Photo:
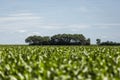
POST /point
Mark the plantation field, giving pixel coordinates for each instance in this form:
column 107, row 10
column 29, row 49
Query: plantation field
column 59, row 63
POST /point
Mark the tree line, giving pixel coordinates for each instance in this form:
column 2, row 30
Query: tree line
column 58, row 39
column 111, row 43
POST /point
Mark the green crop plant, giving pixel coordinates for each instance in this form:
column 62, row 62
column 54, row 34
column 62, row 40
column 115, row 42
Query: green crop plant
column 59, row 63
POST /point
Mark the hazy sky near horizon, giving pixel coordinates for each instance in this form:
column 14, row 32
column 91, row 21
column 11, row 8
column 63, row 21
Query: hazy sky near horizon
column 93, row 18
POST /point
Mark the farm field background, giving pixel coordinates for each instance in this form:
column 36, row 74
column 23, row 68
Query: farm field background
column 59, row 63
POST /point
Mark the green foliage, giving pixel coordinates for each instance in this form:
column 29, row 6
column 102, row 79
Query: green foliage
column 59, row 39
column 59, row 63
column 98, row 41
column 110, row 43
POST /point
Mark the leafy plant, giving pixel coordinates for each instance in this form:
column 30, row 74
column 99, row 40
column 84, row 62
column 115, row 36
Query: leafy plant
column 59, row 63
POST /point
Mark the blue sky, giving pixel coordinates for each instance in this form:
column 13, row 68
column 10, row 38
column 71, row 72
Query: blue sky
column 93, row 18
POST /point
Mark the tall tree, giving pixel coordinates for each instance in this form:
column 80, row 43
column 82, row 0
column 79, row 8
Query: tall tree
column 98, row 41
column 88, row 41
column 59, row 39
column 34, row 40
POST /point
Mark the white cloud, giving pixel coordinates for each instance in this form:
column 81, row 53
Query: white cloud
column 20, row 17
column 62, row 27
column 79, row 26
column 19, row 22
column 108, row 24
column 35, row 33
column 22, row 14
column 30, row 21
column 6, row 19
column 22, row 31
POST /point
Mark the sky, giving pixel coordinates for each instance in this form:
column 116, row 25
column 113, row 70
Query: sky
column 92, row 18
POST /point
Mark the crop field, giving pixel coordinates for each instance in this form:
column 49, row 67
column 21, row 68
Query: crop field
column 59, row 63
